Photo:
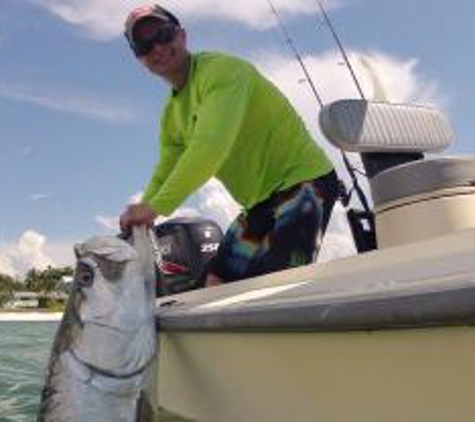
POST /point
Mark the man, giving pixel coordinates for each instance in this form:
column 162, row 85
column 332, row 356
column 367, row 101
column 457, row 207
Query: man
column 224, row 119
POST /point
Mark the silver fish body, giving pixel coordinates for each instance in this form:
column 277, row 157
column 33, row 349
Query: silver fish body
column 105, row 344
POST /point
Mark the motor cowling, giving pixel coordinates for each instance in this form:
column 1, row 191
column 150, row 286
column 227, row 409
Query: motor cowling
column 186, row 245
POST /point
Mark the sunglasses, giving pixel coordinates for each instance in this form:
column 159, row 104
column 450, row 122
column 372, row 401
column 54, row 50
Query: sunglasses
column 163, row 35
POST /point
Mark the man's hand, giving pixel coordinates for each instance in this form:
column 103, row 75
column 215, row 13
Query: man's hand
column 137, row 215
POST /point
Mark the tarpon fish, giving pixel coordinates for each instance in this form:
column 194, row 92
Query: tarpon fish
column 106, row 341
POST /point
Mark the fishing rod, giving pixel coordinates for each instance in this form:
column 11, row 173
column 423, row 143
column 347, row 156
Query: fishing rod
column 354, row 217
column 291, row 44
column 365, row 238
column 338, row 42
column 341, row 48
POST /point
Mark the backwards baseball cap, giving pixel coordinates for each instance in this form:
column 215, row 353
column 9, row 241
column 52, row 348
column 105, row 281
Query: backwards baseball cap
column 153, row 11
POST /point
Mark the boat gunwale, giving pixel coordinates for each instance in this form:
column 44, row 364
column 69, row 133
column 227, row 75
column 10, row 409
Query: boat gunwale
column 454, row 307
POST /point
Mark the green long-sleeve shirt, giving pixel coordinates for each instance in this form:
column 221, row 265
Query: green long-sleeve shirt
column 230, row 122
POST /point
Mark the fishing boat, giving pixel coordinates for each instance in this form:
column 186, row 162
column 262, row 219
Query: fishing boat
column 385, row 335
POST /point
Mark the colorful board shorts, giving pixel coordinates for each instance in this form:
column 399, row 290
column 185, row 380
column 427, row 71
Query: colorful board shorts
column 281, row 232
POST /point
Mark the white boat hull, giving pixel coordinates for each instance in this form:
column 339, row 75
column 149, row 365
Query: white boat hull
column 391, row 376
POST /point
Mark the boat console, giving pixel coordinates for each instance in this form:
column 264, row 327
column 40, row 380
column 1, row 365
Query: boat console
column 414, row 199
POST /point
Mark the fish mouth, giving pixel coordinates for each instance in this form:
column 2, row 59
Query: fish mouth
column 108, row 373
column 117, row 365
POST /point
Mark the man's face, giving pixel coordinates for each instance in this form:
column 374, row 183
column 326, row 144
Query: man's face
column 165, row 44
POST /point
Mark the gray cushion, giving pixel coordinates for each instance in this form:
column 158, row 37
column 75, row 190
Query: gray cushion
column 420, row 177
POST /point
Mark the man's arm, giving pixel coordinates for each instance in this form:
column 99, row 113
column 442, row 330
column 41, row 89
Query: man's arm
column 218, row 124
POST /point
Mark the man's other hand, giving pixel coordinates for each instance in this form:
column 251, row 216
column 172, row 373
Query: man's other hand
column 137, row 215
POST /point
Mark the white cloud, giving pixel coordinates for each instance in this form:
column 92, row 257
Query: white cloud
column 69, row 102
column 62, row 252
column 29, row 252
column 40, row 197
column 6, row 265
column 103, row 19
column 211, row 201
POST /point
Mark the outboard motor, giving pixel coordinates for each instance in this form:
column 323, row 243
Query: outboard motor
column 186, row 245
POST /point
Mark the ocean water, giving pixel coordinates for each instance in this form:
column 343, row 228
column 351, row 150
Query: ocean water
column 24, row 350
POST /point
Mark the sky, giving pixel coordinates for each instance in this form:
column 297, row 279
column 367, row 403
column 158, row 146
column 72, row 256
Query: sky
column 79, row 115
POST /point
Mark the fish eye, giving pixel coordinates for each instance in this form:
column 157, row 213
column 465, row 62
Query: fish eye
column 84, row 274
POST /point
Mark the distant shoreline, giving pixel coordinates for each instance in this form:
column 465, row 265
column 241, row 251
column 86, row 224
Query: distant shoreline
column 29, row 316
